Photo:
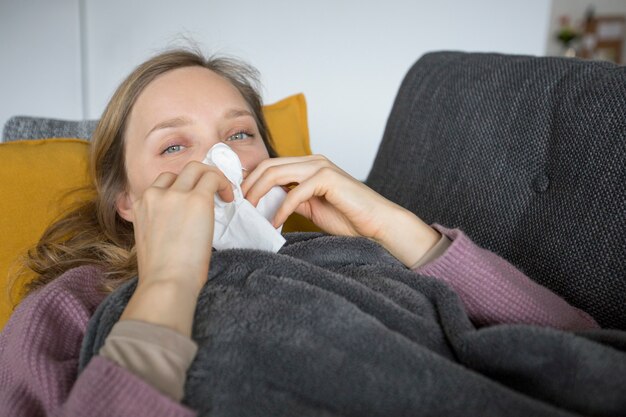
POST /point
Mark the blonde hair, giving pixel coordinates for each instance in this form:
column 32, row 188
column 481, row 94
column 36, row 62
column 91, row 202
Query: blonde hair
column 93, row 232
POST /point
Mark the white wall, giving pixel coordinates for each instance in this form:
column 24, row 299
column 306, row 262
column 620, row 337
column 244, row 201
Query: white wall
column 39, row 59
column 576, row 10
column 347, row 56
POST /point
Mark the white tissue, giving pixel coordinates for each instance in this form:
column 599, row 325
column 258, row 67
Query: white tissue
column 239, row 224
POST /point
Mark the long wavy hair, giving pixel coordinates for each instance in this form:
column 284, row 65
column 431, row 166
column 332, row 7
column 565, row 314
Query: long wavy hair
column 92, row 232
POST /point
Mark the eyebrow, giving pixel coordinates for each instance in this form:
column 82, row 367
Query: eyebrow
column 234, row 113
column 175, row 122
column 184, row 121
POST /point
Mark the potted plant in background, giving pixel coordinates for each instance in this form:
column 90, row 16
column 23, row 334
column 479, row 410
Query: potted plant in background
column 567, row 35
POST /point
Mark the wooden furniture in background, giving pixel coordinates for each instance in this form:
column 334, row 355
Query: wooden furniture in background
column 603, row 38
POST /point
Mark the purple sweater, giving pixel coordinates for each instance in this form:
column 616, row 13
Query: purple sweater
column 40, row 345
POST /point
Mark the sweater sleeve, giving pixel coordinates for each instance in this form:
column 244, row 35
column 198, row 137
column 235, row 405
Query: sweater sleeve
column 39, row 350
column 493, row 291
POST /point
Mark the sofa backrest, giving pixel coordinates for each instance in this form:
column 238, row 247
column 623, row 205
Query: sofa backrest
column 527, row 155
column 28, row 127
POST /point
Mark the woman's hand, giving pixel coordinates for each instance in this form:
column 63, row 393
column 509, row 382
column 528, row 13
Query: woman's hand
column 340, row 205
column 173, row 225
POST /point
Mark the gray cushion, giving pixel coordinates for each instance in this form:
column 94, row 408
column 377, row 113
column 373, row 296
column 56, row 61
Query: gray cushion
column 528, row 156
column 25, row 127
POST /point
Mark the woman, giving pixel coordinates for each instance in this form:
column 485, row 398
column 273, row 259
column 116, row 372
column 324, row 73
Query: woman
column 152, row 217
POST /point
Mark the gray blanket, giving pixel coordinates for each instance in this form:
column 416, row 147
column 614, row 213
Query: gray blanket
column 335, row 326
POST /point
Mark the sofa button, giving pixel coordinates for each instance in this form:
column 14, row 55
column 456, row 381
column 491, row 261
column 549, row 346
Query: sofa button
column 541, row 183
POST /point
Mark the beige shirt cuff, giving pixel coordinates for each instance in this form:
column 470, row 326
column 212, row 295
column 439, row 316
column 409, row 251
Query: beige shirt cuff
column 159, row 355
column 435, row 252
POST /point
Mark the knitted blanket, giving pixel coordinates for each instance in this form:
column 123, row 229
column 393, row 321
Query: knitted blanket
column 335, row 326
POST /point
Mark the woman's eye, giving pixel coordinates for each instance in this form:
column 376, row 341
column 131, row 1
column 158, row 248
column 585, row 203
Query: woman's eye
column 239, row 136
column 172, row 149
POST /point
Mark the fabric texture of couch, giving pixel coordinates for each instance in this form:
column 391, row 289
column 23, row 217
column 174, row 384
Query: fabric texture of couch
column 528, row 156
column 28, row 127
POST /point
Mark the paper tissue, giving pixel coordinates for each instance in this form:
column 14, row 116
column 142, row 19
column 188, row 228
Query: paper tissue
column 239, row 224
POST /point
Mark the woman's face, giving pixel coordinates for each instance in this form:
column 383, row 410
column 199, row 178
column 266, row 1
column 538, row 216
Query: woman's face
column 176, row 119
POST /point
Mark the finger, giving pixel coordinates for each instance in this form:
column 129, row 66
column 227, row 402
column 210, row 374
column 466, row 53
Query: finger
column 266, row 164
column 190, row 175
column 164, row 180
column 296, row 200
column 213, row 182
column 284, row 174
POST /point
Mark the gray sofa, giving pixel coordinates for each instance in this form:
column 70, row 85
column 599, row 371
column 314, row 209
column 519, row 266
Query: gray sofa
column 527, row 155
column 28, row 127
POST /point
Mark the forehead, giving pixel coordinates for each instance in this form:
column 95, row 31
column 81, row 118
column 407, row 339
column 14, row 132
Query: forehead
column 187, row 89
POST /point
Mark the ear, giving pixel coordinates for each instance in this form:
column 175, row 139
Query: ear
column 124, row 206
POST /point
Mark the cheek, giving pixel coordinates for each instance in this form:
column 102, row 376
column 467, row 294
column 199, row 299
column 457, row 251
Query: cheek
column 250, row 159
column 140, row 177
column 136, row 173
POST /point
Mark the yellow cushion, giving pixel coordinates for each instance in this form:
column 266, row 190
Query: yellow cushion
column 287, row 121
column 35, row 174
